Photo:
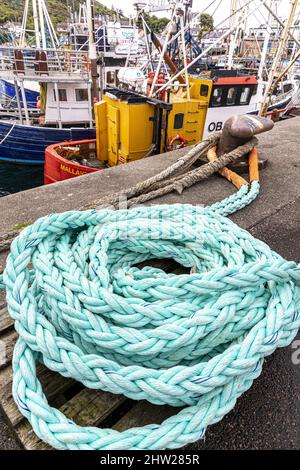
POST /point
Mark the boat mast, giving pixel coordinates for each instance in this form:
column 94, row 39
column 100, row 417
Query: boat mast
column 43, row 33
column 52, row 32
column 164, row 49
column 146, row 32
column 90, row 8
column 24, row 23
column 291, row 35
column 233, row 37
column 208, row 49
column 42, row 22
column 36, row 24
column 265, row 45
column 281, row 45
column 185, row 62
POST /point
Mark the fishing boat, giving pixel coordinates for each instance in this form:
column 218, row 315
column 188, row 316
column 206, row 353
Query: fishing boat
column 26, row 144
column 67, row 86
column 150, row 115
column 64, row 111
column 67, row 160
column 69, row 81
column 234, row 92
column 132, row 125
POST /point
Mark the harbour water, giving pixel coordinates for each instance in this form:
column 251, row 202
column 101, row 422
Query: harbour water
column 15, row 178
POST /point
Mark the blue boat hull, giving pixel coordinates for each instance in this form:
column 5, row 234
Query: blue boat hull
column 8, row 95
column 26, row 144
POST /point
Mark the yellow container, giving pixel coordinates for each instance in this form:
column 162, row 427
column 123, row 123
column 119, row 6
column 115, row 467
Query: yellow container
column 130, row 126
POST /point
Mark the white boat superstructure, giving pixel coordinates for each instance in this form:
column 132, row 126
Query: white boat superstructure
column 232, row 95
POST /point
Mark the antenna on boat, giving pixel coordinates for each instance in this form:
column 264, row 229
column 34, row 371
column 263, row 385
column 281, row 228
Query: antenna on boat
column 42, row 21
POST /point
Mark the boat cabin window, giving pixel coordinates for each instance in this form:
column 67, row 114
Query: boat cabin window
column 217, row 97
column 245, row 95
column 226, row 95
column 231, row 96
column 81, row 94
column 62, row 94
column 204, row 89
column 178, row 121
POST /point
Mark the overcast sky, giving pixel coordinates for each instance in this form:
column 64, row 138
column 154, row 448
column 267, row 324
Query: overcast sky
column 220, row 8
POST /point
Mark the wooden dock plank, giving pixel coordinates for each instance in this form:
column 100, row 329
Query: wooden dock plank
column 53, row 385
column 91, row 407
column 87, row 408
column 29, row 439
column 7, row 343
column 6, row 321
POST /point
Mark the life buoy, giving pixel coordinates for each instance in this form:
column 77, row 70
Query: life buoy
column 171, row 142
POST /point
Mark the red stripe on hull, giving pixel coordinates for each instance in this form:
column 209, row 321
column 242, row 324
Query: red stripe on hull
column 247, row 80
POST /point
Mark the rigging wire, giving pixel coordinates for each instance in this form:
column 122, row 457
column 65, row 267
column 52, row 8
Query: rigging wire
column 217, row 7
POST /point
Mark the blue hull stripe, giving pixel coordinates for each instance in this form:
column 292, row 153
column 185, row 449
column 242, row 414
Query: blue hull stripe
column 22, row 161
column 27, row 144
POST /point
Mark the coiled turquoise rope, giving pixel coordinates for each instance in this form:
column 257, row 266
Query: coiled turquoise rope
column 197, row 340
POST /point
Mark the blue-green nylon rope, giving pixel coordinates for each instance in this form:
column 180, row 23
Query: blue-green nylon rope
column 198, row 340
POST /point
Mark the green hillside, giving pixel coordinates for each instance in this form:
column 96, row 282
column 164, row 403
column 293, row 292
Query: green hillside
column 12, row 10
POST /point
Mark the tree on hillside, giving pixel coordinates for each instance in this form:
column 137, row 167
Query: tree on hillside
column 12, row 10
column 206, row 24
column 156, row 24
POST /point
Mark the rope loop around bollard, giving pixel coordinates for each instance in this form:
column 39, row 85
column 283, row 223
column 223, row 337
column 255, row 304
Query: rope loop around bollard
column 83, row 308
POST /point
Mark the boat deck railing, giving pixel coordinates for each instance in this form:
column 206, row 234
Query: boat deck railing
column 44, row 64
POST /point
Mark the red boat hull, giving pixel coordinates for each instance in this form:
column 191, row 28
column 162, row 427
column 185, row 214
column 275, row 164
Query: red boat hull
column 58, row 168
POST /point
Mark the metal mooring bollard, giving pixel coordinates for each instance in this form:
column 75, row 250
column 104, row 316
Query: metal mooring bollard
column 238, row 130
